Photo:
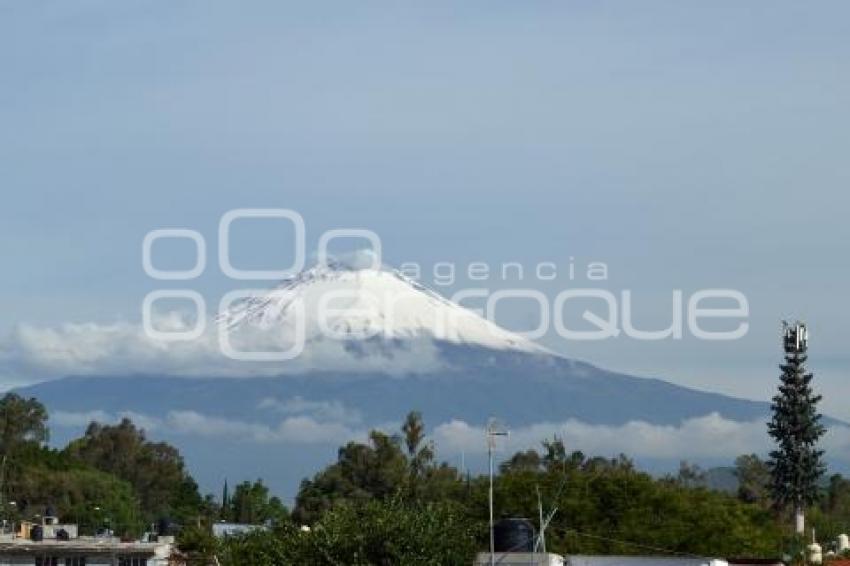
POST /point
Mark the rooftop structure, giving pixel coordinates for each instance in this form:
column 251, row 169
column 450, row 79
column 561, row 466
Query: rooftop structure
column 51, row 543
column 220, row 530
column 84, row 551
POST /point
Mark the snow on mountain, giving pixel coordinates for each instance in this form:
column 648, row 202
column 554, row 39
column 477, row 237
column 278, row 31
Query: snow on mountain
column 352, row 303
column 347, row 318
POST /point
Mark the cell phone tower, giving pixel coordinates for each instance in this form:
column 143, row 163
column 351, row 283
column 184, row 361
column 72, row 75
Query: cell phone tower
column 795, row 337
column 796, row 464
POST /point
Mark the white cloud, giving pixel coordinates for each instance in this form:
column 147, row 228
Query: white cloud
column 709, row 436
column 81, row 419
column 320, row 410
column 30, row 354
column 290, row 430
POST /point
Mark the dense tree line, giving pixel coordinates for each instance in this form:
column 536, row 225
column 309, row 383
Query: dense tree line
column 113, row 478
column 155, row 470
column 382, row 532
column 603, row 506
column 390, row 500
column 361, row 505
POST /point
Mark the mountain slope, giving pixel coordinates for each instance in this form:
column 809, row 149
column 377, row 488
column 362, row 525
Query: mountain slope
column 468, row 370
column 522, row 389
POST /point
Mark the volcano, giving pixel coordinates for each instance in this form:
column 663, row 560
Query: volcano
column 374, row 345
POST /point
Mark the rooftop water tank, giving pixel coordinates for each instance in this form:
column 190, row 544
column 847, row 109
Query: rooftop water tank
column 815, row 554
column 513, row 535
column 37, row 533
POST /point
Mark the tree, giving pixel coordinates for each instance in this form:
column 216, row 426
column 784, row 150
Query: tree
column 796, row 463
column 76, row 492
column 832, row 514
column 367, row 533
column 251, row 504
column 360, row 512
column 155, row 469
column 387, row 466
column 420, row 455
column 92, row 499
column 22, row 422
column 608, row 507
column 690, row 475
column 555, row 453
column 838, row 497
column 197, row 545
column 255, row 547
column 225, row 501
column 361, row 472
column 753, row 477
column 526, row 461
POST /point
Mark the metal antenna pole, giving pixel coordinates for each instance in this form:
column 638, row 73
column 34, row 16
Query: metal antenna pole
column 490, row 499
column 494, row 429
column 542, row 537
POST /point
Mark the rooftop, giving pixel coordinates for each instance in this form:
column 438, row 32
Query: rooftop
column 83, row 545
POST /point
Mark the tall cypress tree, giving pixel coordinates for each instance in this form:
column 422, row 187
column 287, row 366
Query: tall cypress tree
column 225, row 503
column 796, row 463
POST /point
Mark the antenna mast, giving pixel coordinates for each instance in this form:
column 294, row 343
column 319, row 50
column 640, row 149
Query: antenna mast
column 541, row 539
column 494, row 429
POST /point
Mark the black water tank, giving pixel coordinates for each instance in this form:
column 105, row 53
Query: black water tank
column 166, row 527
column 513, row 535
column 37, row 533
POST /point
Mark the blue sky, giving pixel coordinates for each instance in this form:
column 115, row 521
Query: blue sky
column 686, row 145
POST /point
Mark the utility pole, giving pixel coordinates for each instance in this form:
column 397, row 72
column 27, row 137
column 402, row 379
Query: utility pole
column 494, row 429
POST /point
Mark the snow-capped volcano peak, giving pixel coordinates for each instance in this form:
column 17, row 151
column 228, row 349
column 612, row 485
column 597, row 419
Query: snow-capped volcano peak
column 350, row 302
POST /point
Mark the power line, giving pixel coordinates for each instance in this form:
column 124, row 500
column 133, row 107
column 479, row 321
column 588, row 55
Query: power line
column 630, row 543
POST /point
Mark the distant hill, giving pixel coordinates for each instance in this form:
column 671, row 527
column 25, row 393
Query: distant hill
column 474, row 370
column 522, row 388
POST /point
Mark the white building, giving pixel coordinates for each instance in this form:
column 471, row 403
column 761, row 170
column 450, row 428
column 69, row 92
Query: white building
column 51, row 543
column 83, row 552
